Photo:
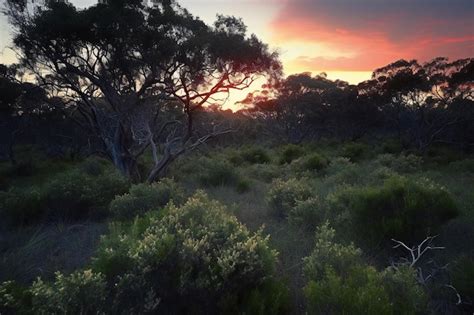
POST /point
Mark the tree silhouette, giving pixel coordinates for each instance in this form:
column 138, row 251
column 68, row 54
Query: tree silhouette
column 119, row 64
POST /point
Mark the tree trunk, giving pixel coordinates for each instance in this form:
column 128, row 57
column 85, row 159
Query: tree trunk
column 159, row 169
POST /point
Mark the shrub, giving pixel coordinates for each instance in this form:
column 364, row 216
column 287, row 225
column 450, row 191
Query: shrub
column 144, row 197
column 22, row 206
column 392, row 146
column 354, row 151
column 94, row 166
column 404, row 163
column 284, row 195
column 14, row 299
column 308, row 213
column 264, row 172
column 194, row 258
column 255, row 155
column 315, row 162
column 402, row 208
column 214, row 172
column 463, row 277
column 312, row 162
column 443, row 155
column 74, row 194
column 339, row 282
column 342, row 171
column 466, row 165
column 289, row 153
column 82, row 292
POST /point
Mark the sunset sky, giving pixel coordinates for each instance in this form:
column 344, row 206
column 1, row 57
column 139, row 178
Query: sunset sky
column 345, row 38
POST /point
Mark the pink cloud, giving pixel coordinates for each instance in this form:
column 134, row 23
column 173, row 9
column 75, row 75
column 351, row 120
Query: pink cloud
column 374, row 32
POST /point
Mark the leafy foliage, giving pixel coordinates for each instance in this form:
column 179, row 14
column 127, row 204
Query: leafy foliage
column 145, row 197
column 73, row 194
column 289, row 153
column 341, row 283
column 284, row 195
column 402, row 208
column 193, row 258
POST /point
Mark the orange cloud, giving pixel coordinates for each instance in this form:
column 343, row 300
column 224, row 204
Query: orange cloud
column 366, row 34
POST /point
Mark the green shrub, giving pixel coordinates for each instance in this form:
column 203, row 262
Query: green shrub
column 192, row 259
column 339, row 282
column 82, row 292
column 94, row 166
column 402, row 208
column 312, row 162
column 404, row 163
column 145, row 197
column 342, row 171
column 14, row 299
column 213, row 172
column 289, row 153
column 315, row 162
column 354, row 151
column 255, row 155
column 284, row 195
column 392, row 146
column 75, row 195
column 462, row 275
column 72, row 194
column 264, row 172
column 466, row 165
column 443, row 155
column 308, row 213
column 22, row 206
column 406, row 295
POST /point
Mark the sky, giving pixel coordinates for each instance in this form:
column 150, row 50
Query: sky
column 347, row 39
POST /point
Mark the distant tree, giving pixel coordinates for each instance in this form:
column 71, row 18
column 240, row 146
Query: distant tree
column 306, row 107
column 19, row 103
column 424, row 101
column 119, row 65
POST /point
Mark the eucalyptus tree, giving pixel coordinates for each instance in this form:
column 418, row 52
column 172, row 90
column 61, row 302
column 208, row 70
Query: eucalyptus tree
column 120, row 64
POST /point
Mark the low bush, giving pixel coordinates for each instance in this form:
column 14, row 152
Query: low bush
column 255, row 155
column 264, row 172
column 443, row 155
column 191, row 259
column 289, row 153
column 339, row 282
column 284, row 195
column 403, row 163
column 402, row 208
column 70, row 195
column 213, row 172
column 354, row 151
column 466, row 165
column 308, row 213
column 462, row 275
column 76, row 195
column 392, row 146
column 82, row 292
column 312, row 162
column 342, row 171
column 145, row 197
column 22, row 206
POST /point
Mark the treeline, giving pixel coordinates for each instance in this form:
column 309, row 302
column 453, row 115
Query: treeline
column 123, row 79
column 420, row 104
